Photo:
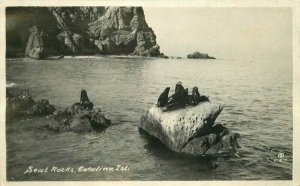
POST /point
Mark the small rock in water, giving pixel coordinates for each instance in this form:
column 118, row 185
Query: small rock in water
column 80, row 117
column 41, row 107
column 18, row 105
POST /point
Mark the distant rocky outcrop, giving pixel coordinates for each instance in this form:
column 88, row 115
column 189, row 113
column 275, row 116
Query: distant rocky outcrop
column 79, row 31
column 198, row 55
column 190, row 130
column 20, row 105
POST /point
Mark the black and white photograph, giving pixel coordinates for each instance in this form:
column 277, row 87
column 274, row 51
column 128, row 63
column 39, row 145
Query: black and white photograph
column 148, row 93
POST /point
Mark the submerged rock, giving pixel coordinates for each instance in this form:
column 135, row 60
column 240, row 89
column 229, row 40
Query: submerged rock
column 18, row 105
column 190, row 130
column 80, row 117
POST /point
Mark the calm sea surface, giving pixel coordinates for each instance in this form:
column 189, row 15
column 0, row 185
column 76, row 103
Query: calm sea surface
column 256, row 95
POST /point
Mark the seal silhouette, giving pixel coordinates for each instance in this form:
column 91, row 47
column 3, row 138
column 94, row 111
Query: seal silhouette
column 84, row 100
column 179, row 95
column 163, row 98
column 196, row 95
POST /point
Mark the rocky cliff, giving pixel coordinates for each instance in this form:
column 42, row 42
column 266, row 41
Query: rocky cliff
column 79, row 31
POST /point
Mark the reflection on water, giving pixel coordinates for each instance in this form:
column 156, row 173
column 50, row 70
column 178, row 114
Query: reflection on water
column 257, row 100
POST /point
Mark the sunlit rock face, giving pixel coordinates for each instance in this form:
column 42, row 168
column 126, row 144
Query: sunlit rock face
column 190, row 130
column 123, row 30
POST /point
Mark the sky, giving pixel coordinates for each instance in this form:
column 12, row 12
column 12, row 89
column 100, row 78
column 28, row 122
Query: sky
column 223, row 32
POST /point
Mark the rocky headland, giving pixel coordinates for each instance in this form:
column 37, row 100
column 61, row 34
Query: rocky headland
column 39, row 32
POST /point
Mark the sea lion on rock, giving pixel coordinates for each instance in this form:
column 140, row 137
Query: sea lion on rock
column 84, row 100
column 178, row 98
column 163, row 98
column 83, row 96
column 181, row 97
column 204, row 98
column 179, row 86
column 197, row 98
column 81, row 116
column 196, row 95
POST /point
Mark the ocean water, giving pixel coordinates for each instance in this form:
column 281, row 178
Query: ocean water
column 256, row 95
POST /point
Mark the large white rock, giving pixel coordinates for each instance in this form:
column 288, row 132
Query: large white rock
column 176, row 128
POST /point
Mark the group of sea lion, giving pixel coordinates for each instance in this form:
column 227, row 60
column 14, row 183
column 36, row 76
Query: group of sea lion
column 180, row 98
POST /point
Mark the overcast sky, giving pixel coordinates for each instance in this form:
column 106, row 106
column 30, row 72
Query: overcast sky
column 223, row 32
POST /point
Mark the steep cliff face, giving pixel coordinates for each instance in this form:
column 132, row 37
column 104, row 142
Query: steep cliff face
column 123, row 30
column 73, row 28
column 82, row 30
